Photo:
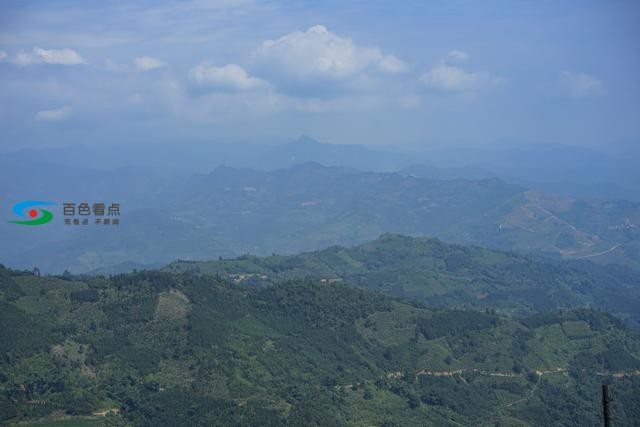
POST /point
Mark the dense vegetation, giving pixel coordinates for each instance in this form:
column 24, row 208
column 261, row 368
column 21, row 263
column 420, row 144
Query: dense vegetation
column 443, row 275
column 156, row 348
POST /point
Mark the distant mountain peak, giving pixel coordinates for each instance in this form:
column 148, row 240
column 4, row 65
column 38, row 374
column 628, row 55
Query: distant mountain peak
column 308, row 165
column 306, row 140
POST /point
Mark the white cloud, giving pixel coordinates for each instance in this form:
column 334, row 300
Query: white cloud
column 580, row 84
column 3, row 55
column 24, row 58
column 230, row 76
column 319, row 53
column 49, row 56
column 457, row 56
column 54, row 115
column 391, row 64
column 455, row 79
column 147, row 63
column 59, row 56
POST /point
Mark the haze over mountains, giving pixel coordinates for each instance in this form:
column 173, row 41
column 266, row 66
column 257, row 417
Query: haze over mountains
column 173, row 213
column 338, row 213
column 338, row 335
column 558, row 169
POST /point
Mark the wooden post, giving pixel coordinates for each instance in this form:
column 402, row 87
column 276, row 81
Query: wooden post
column 606, row 414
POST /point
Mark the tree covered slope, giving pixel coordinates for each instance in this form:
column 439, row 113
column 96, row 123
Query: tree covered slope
column 444, row 275
column 157, row 348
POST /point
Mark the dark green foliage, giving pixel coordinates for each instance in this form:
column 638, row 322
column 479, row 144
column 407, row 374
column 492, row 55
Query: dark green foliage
column 207, row 327
column 184, row 349
column 312, row 411
column 455, row 322
column 457, row 261
column 618, row 358
column 467, row 399
column 556, row 405
column 8, row 287
column 85, row 295
column 179, row 407
column 445, row 275
column 21, row 333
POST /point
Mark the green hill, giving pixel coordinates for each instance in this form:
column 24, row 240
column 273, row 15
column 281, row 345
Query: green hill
column 158, row 348
column 444, row 275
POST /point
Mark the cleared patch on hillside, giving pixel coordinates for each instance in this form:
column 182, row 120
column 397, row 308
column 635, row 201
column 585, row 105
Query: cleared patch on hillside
column 172, row 305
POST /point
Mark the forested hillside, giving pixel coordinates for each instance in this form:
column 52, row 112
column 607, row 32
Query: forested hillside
column 443, row 275
column 157, row 348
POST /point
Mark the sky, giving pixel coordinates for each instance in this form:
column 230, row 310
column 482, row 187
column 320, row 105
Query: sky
column 364, row 72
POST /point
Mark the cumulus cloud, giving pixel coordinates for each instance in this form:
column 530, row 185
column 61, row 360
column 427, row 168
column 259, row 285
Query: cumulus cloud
column 319, row 53
column 227, row 77
column 447, row 77
column 391, row 64
column 54, row 115
column 3, row 55
column 147, row 63
column 581, row 84
column 49, row 56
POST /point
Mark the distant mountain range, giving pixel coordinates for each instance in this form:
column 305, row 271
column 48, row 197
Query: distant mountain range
column 230, row 212
column 555, row 169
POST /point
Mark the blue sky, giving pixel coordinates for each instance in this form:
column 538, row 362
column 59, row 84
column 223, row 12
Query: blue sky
column 411, row 72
